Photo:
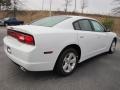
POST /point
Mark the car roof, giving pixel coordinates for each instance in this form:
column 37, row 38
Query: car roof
column 67, row 24
column 77, row 17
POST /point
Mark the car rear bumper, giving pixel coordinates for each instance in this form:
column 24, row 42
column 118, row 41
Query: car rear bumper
column 24, row 56
column 29, row 66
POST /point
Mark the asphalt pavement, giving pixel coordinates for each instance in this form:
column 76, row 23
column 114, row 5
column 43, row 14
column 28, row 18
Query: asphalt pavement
column 99, row 73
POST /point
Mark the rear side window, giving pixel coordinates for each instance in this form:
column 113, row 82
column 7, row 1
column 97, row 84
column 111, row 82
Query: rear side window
column 50, row 21
column 76, row 26
column 82, row 25
column 85, row 25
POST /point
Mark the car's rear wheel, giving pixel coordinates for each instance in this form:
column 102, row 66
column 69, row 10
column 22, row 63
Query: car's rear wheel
column 112, row 47
column 67, row 62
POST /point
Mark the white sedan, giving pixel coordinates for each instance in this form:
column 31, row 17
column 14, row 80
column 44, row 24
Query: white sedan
column 57, row 43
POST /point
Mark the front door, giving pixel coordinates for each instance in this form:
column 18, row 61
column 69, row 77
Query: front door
column 88, row 40
column 99, row 30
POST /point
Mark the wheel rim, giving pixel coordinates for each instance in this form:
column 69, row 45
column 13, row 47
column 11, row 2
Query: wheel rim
column 113, row 47
column 69, row 62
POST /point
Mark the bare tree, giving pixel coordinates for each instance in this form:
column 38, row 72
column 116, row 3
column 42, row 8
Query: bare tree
column 42, row 4
column 50, row 11
column 83, row 5
column 5, row 4
column 67, row 3
column 75, row 5
column 116, row 10
column 1, row 3
column 16, row 5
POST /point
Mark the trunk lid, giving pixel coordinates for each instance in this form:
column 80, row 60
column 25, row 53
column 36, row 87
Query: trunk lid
column 30, row 29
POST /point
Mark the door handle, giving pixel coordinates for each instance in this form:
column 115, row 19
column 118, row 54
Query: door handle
column 98, row 37
column 81, row 36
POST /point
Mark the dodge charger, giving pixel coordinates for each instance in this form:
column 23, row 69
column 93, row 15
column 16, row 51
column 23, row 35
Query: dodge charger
column 57, row 43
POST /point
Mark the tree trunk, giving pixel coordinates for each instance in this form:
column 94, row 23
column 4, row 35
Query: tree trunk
column 0, row 7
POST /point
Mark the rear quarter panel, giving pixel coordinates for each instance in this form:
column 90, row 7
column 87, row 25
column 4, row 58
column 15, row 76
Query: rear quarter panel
column 55, row 41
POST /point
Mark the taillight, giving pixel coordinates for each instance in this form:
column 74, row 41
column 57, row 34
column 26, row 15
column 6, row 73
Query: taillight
column 22, row 37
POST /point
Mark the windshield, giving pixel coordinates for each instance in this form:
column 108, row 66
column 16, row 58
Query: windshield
column 50, row 21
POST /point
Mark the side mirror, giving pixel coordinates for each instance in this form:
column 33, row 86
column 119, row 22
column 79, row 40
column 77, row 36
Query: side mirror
column 107, row 30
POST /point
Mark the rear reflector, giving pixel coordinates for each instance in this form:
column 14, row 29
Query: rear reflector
column 22, row 37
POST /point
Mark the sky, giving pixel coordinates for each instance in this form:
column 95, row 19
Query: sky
column 94, row 6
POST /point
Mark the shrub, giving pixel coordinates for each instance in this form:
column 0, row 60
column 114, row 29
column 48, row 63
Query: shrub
column 108, row 23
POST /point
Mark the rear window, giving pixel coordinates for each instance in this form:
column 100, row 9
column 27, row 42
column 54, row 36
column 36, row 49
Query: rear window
column 50, row 21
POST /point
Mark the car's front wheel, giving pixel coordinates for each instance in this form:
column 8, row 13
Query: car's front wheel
column 112, row 47
column 67, row 62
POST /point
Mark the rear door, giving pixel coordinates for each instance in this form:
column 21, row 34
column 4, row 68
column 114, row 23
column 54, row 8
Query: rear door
column 88, row 40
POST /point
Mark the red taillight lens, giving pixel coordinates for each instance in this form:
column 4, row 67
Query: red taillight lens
column 29, row 39
column 22, row 37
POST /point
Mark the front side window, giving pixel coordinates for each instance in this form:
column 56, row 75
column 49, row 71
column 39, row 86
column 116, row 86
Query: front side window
column 97, row 26
column 50, row 21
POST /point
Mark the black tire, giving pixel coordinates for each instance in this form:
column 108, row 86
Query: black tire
column 59, row 64
column 22, row 23
column 5, row 24
column 112, row 49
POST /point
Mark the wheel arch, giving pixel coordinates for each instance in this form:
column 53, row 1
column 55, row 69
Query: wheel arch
column 75, row 46
column 115, row 38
